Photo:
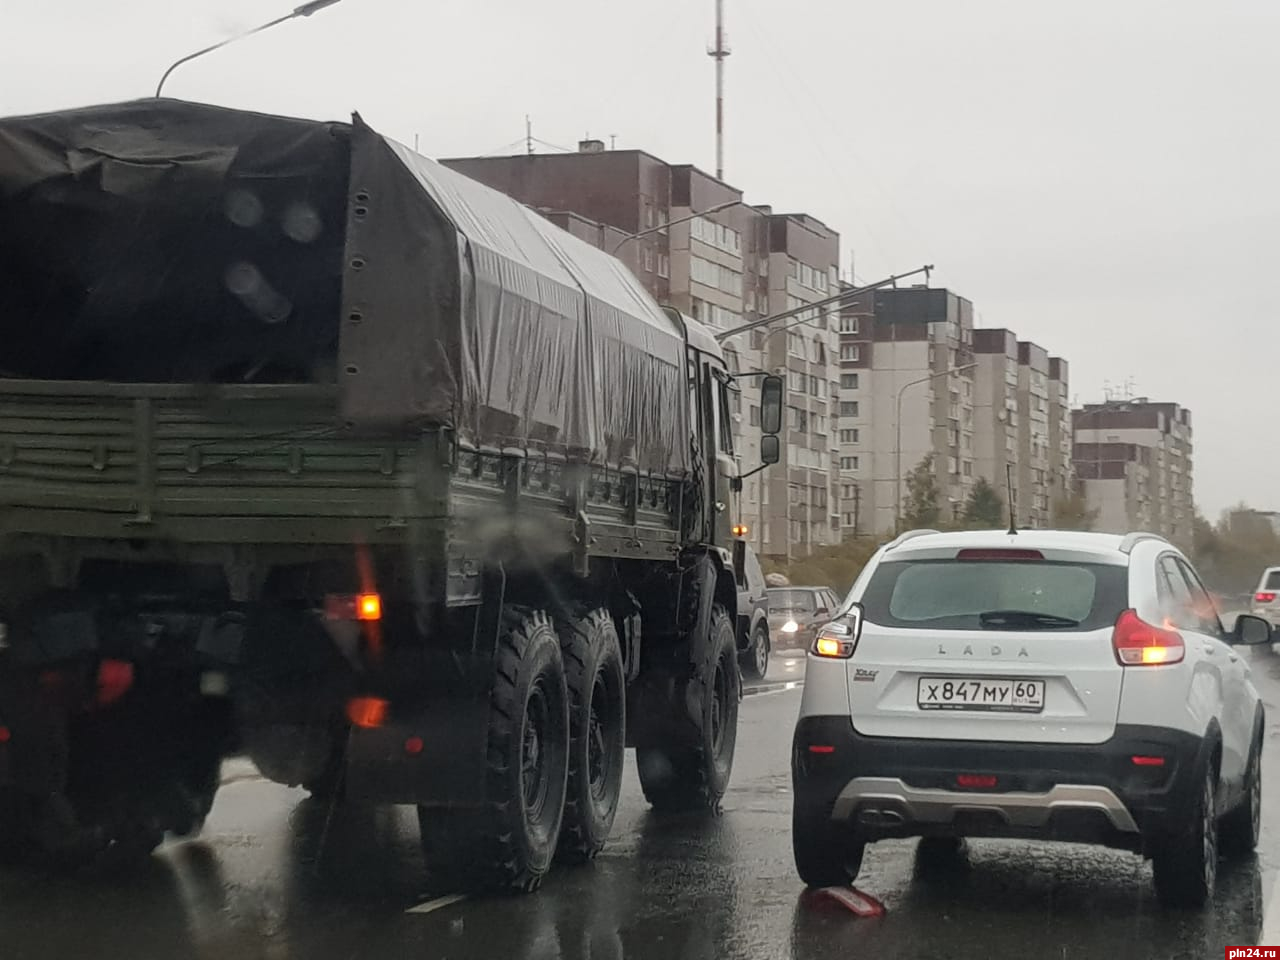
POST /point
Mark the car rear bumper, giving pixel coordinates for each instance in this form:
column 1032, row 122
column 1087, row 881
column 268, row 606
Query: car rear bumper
column 893, row 787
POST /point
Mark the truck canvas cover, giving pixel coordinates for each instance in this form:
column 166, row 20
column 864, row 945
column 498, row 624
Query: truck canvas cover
column 161, row 241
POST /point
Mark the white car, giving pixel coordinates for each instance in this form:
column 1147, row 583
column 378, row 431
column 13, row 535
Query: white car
column 1266, row 599
column 1039, row 685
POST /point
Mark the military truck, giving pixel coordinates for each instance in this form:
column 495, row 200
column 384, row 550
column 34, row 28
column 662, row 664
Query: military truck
column 317, row 452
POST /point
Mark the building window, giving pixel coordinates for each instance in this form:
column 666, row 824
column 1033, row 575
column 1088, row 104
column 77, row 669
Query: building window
column 848, row 324
column 649, row 215
column 648, row 259
column 849, row 490
column 848, row 381
column 755, row 415
column 795, row 344
column 850, row 351
column 848, row 408
column 664, row 265
column 849, row 435
column 848, row 463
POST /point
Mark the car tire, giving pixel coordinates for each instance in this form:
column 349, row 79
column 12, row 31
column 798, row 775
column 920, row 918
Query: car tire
column 1185, row 866
column 597, row 734
column 755, row 659
column 1239, row 831
column 685, row 759
column 826, row 855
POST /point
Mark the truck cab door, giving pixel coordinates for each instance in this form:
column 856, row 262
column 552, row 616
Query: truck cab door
column 726, row 464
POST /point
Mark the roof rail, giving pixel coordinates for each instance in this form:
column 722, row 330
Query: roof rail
column 909, row 535
column 1131, row 540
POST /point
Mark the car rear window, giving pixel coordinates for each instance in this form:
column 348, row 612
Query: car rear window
column 994, row 595
column 792, row 601
column 1272, row 580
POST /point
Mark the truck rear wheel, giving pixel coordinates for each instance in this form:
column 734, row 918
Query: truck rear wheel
column 597, row 734
column 685, row 763
column 508, row 844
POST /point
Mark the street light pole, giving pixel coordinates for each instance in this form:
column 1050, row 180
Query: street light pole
column 306, row 10
column 662, row 226
column 897, row 452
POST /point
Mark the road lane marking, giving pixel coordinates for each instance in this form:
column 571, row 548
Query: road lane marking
column 427, row 906
column 767, row 691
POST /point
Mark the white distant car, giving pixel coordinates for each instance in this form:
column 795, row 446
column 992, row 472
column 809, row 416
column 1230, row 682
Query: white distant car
column 1039, row 685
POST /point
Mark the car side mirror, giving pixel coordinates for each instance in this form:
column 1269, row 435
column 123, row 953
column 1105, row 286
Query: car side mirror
column 771, row 406
column 1251, row 631
column 770, row 450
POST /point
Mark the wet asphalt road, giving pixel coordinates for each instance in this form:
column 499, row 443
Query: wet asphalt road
column 278, row 876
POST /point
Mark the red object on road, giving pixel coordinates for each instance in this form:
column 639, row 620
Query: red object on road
column 852, row 899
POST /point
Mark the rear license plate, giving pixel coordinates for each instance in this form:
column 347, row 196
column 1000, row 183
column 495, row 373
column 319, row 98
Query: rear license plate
column 980, row 693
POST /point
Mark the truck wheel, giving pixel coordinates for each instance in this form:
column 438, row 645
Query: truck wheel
column 755, row 659
column 508, row 845
column 597, row 734
column 1185, row 866
column 685, row 763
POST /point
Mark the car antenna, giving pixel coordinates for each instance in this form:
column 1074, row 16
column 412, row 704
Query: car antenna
column 1008, row 481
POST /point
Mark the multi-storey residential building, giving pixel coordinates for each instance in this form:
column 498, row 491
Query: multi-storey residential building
column 1034, row 485
column 995, row 408
column 724, row 268
column 916, row 359
column 1061, row 476
column 1134, row 461
column 855, row 455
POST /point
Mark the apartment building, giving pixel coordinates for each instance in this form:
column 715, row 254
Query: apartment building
column 1134, row 463
column 724, row 268
column 996, row 409
column 1034, row 485
column 910, row 353
column 1061, row 475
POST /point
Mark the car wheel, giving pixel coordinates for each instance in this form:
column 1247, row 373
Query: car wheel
column 826, row 853
column 755, row 661
column 1240, row 829
column 1186, row 866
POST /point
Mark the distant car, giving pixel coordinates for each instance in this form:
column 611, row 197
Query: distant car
column 796, row 613
column 1266, row 599
column 1037, row 685
column 753, row 619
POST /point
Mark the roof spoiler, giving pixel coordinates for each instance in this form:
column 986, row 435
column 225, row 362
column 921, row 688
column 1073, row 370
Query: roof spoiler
column 909, row 535
column 1131, row 540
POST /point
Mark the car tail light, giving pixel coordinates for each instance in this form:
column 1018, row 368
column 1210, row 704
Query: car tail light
column 1147, row 761
column 821, row 748
column 367, row 712
column 1139, row 644
column 5, row 735
column 115, row 678
column 838, row 639
column 413, row 746
column 999, row 553
column 1264, row 597
column 975, row 781
column 366, row 607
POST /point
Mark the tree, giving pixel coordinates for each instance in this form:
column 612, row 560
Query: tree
column 984, row 508
column 1071, row 512
column 922, row 508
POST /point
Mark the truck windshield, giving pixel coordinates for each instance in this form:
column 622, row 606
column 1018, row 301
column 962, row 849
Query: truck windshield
column 969, row 595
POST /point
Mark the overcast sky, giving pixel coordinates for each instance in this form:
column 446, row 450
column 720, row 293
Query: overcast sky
column 1097, row 175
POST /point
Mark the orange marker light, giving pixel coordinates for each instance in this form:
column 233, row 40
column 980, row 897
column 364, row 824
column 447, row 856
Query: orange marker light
column 369, row 606
column 740, row 530
column 367, row 712
column 827, row 647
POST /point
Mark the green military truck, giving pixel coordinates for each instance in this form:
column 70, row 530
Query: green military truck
column 317, row 452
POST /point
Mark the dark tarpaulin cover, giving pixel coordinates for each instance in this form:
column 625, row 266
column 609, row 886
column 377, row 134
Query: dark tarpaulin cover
column 168, row 241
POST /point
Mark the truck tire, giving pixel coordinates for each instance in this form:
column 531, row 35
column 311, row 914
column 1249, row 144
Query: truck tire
column 684, row 764
column 507, row 846
column 597, row 734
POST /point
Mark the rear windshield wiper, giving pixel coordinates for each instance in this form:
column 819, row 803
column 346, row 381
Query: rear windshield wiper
column 1024, row 618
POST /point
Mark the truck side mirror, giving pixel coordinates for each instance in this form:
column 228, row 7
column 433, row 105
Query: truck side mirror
column 770, row 450
column 771, row 407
